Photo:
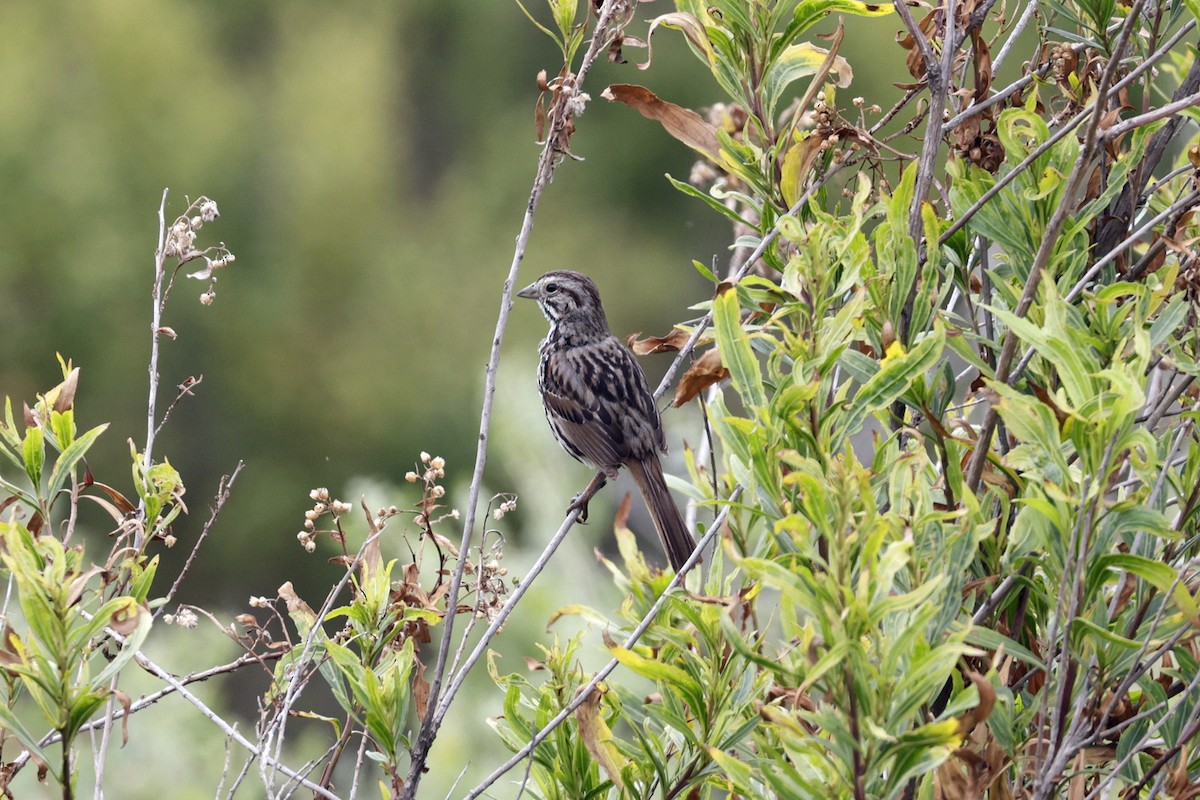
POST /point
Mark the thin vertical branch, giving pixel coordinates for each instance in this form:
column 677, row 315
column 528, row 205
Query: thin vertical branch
column 157, row 302
column 560, row 117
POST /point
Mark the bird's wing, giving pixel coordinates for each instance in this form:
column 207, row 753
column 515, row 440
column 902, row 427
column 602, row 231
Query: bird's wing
column 599, row 398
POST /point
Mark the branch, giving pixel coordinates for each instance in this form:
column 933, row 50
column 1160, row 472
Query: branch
column 223, row 490
column 547, row 162
column 1077, row 180
column 586, row 690
column 160, row 259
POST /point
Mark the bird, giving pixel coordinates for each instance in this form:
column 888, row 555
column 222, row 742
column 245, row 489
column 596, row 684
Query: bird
column 599, row 404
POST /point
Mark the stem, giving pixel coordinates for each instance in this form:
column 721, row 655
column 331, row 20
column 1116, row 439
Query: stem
column 1077, row 180
column 560, row 117
column 585, row 691
column 155, row 324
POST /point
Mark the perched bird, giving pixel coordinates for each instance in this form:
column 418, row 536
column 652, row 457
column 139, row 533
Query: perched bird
column 598, row 403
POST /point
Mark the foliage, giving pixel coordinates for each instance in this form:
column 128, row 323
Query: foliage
column 950, row 457
column 954, row 450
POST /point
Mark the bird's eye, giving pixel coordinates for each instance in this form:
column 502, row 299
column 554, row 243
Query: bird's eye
column 551, row 288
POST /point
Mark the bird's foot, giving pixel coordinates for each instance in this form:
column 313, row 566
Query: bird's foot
column 580, row 501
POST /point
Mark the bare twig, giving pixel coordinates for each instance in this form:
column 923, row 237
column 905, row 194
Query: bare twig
column 223, row 490
column 547, row 162
column 1022, row 23
column 157, row 303
column 186, row 389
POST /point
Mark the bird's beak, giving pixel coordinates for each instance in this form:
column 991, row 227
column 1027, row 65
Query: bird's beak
column 529, row 292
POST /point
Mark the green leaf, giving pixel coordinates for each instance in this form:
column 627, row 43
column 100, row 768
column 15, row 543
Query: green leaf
column 734, row 345
column 11, row 723
column 70, row 457
column 1159, row 575
column 33, row 451
column 62, row 423
column 810, row 12
column 711, row 201
column 991, row 640
column 797, row 61
column 896, row 374
column 657, row 670
column 739, row 773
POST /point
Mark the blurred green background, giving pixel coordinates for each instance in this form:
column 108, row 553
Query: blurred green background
column 371, row 162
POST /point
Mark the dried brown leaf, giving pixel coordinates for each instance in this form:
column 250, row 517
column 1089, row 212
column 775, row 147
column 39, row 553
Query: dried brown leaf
column 704, row 372
column 914, row 59
column 681, row 123
column 65, row 400
column 670, row 343
column 125, row 619
column 621, row 520
column 597, row 737
column 287, row 593
column 8, row 650
column 420, row 690
column 539, row 118
column 983, row 70
column 127, row 704
column 987, row 701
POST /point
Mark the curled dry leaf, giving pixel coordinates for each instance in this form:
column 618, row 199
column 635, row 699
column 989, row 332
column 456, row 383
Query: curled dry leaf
column 9, row 646
column 621, row 520
column 915, row 61
column 287, row 593
column 691, row 27
column 120, row 506
column 983, row 68
column 125, row 619
column 65, row 396
column 420, row 690
column 704, row 372
column 987, row 701
column 670, row 343
column 682, row 123
column 127, row 704
column 79, row 584
column 614, row 50
column 598, row 737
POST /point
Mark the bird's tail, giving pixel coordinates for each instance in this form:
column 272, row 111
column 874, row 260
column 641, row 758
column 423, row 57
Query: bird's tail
column 676, row 540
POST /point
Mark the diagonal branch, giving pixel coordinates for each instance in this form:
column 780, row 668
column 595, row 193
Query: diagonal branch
column 582, row 695
column 1076, row 181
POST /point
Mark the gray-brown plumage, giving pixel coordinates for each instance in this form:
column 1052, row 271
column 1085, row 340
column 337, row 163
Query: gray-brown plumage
column 598, row 403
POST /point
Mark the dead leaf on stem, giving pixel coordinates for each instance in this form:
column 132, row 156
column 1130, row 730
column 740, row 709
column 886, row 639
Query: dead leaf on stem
column 682, row 123
column 670, row 343
column 704, row 372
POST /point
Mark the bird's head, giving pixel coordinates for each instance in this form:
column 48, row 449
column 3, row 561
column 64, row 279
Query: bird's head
column 562, row 294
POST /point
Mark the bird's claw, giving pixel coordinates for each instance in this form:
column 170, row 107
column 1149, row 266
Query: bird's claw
column 580, row 504
column 581, row 500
